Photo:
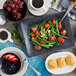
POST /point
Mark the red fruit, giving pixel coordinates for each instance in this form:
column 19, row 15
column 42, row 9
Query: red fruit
column 34, row 29
column 14, row 16
column 54, row 22
column 7, row 56
column 15, row 0
column 59, row 26
column 63, row 32
column 13, row 5
column 17, row 6
column 21, row 6
column 51, row 38
column 37, row 47
column 9, row 9
column 42, row 42
column 59, row 39
column 14, row 11
column 18, row 14
column 21, row 3
column 63, row 40
column 19, row 17
column 10, row 57
column 18, row 1
column 14, row 59
column 5, row 5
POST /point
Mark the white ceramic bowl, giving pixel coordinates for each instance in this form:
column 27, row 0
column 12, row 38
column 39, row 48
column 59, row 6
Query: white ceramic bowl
column 66, row 69
column 24, row 64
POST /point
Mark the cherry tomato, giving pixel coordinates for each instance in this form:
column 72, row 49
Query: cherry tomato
column 62, row 41
column 54, row 22
column 36, row 33
column 47, row 25
column 33, row 35
column 54, row 34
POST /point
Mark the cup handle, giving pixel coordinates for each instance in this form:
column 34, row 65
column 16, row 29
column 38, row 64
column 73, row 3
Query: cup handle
column 11, row 40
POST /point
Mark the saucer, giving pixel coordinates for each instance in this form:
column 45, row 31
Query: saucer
column 1, row 3
column 39, row 12
column 23, row 56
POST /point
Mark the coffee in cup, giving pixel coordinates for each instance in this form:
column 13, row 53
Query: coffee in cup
column 5, row 35
column 38, row 4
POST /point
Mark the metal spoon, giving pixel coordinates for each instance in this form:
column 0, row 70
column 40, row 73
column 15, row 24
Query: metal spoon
column 69, row 9
column 38, row 73
column 0, row 63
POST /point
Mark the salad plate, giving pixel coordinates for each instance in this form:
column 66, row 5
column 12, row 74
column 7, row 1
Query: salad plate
column 26, row 24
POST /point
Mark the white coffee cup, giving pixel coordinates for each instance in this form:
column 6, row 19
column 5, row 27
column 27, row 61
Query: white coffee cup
column 9, row 36
column 43, row 6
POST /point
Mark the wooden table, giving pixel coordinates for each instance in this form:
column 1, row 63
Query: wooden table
column 9, row 26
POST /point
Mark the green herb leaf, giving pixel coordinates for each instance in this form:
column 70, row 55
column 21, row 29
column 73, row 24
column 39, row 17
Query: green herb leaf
column 53, row 1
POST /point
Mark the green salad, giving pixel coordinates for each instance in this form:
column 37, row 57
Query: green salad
column 47, row 34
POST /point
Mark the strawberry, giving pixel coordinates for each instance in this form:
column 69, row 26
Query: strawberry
column 7, row 56
column 10, row 57
column 14, row 59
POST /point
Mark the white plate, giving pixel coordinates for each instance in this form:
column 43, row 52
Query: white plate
column 1, row 3
column 39, row 12
column 66, row 69
column 23, row 56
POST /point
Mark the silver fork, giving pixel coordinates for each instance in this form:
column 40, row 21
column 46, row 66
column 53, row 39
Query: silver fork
column 69, row 9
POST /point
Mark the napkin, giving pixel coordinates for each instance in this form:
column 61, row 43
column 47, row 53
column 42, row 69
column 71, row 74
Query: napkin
column 37, row 62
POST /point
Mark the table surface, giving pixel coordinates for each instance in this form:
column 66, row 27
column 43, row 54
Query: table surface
column 9, row 26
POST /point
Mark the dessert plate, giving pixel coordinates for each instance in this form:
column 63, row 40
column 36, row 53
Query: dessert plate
column 39, row 12
column 1, row 3
column 66, row 69
column 24, row 64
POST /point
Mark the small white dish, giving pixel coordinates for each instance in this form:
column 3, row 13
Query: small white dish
column 1, row 3
column 66, row 69
column 24, row 64
column 9, row 36
column 39, row 12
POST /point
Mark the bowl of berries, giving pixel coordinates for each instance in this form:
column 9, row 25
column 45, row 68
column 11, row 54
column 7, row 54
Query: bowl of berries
column 15, row 10
column 13, row 62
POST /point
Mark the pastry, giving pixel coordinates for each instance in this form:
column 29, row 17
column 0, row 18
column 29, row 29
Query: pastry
column 61, row 62
column 70, row 60
column 52, row 64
